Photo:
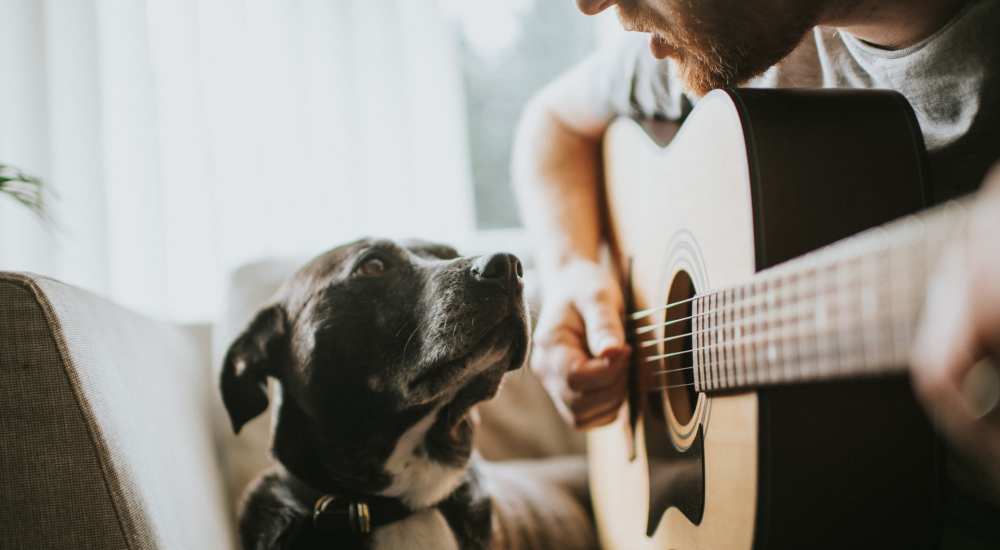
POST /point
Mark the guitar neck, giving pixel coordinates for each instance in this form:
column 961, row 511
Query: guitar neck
column 846, row 310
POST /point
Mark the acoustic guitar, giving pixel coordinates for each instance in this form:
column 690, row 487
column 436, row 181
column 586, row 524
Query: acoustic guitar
column 769, row 405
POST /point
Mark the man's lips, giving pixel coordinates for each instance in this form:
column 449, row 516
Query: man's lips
column 590, row 8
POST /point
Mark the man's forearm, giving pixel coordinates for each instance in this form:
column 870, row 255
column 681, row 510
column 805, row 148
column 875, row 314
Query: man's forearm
column 556, row 180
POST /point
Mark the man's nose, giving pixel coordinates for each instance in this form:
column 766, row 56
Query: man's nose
column 594, row 7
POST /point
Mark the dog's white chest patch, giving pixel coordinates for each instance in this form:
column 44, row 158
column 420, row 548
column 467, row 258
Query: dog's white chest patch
column 424, row 530
column 416, row 479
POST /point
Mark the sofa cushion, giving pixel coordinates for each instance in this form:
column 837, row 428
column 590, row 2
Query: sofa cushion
column 107, row 424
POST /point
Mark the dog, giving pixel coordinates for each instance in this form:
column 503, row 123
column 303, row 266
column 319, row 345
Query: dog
column 381, row 350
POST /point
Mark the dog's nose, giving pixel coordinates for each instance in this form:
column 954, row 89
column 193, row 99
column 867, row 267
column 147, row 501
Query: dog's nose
column 503, row 268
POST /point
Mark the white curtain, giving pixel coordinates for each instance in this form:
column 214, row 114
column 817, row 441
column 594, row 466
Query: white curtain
column 184, row 137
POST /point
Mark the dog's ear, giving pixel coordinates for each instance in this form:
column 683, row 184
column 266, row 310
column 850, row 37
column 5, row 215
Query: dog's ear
column 251, row 358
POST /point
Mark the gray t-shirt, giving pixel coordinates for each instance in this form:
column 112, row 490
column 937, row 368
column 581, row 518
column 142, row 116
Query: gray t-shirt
column 950, row 79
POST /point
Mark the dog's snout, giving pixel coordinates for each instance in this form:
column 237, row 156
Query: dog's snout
column 504, row 269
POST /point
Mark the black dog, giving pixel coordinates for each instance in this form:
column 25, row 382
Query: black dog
column 381, row 349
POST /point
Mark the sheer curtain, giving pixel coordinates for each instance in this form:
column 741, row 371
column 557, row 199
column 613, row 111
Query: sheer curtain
column 184, row 137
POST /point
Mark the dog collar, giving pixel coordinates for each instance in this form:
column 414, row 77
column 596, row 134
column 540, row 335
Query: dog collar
column 333, row 513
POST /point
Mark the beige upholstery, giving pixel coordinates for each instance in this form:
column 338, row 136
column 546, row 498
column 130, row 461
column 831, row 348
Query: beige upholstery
column 520, row 423
column 108, row 425
column 248, row 288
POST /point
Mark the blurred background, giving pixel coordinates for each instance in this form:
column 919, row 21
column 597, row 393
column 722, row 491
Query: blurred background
column 181, row 139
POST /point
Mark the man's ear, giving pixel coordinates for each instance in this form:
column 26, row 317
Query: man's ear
column 251, row 358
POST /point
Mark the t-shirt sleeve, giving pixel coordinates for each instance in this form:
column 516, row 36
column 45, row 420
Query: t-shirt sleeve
column 628, row 81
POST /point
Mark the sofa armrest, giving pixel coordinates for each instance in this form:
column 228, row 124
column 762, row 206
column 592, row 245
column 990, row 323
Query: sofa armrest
column 107, row 426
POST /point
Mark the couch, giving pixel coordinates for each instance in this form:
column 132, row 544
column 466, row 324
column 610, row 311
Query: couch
column 112, row 434
column 109, row 426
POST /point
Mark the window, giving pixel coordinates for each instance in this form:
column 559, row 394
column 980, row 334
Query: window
column 508, row 51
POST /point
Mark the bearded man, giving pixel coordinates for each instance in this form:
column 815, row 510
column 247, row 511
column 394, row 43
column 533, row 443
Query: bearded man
column 942, row 55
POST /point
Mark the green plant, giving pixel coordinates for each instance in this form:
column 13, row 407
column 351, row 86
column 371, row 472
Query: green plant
column 23, row 188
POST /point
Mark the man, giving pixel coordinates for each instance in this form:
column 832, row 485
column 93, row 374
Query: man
column 942, row 55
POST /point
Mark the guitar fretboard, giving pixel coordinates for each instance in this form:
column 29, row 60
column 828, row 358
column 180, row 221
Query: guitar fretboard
column 846, row 310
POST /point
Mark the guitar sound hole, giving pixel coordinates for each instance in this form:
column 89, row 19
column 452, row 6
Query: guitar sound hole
column 678, row 372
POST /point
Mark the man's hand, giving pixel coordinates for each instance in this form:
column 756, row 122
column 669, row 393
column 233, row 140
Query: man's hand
column 580, row 353
column 960, row 335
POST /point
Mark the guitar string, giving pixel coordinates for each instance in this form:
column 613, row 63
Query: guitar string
column 913, row 233
column 762, row 365
column 779, row 320
column 770, row 325
column 731, row 307
column 764, row 297
column 754, row 385
column 762, row 280
column 906, row 229
column 925, row 232
column 762, row 368
column 812, row 334
column 913, row 301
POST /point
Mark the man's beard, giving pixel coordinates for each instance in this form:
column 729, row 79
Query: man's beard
column 720, row 43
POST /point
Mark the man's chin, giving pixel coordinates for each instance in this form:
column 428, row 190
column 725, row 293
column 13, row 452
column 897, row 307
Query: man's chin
column 697, row 78
column 701, row 78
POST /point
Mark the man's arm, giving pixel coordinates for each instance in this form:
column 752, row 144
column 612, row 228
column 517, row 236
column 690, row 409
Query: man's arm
column 579, row 351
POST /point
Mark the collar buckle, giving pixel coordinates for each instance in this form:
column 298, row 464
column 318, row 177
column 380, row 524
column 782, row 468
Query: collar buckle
column 331, row 513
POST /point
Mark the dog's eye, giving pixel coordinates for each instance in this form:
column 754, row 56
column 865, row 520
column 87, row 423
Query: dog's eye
column 372, row 267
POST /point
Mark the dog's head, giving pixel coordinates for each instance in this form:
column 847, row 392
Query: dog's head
column 380, row 348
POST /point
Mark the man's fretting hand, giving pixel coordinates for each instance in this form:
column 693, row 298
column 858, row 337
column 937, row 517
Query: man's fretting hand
column 960, row 335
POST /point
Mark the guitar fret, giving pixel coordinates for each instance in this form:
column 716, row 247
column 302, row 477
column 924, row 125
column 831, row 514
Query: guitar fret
column 898, row 338
column 714, row 352
column 844, row 347
column 738, row 337
column 706, row 353
column 723, row 355
column 850, row 309
column 755, row 351
column 707, row 341
column 868, row 302
column 731, row 337
column 720, row 335
column 787, row 328
column 698, row 341
column 759, row 353
column 724, row 336
column 710, row 351
column 774, row 346
column 727, row 351
column 800, row 298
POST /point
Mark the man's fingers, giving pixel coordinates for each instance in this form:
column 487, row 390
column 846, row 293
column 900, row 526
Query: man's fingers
column 598, row 418
column 597, row 373
column 551, row 361
column 601, row 314
column 583, row 404
column 558, row 357
column 600, row 395
column 580, row 352
column 594, row 408
column 945, row 350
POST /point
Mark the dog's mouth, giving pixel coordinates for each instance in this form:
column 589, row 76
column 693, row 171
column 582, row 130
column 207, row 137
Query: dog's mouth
column 502, row 348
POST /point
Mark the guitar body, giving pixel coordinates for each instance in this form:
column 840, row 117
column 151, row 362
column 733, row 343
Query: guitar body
column 752, row 179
